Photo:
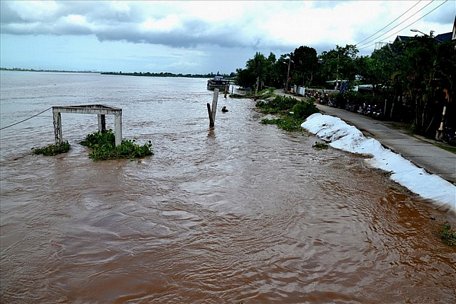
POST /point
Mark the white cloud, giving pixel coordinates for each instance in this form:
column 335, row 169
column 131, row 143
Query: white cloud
column 221, row 27
column 166, row 24
column 34, row 10
column 223, row 23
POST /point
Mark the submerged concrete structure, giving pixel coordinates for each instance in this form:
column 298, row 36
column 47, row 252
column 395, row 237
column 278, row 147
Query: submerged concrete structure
column 100, row 110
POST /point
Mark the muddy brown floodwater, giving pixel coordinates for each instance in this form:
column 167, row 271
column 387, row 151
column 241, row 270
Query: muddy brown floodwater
column 245, row 213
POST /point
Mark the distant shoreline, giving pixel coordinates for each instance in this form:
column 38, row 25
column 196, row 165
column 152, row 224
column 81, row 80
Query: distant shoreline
column 164, row 74
column 144, row 74
column 47, row 71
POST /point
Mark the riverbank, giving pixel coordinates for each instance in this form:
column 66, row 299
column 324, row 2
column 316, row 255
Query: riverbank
column 423, row 153
column 348, row 138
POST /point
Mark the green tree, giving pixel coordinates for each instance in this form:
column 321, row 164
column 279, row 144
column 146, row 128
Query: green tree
column 245, row 78
column 305, row 65
column 417, row 71
column 339, row 63
column 255, row 71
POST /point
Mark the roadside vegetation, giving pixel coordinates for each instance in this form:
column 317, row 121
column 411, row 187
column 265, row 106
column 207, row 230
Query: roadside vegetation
column 290, row 112
column 411, row 81
column 102, row 145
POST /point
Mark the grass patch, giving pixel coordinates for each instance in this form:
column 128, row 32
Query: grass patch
column 320, row 145
column 266, row 93
column 52, row 150
column 291, row 111
column 270, row 121
column 449, row 148
column 287, row 123
column 103, row 147
column 448, row 235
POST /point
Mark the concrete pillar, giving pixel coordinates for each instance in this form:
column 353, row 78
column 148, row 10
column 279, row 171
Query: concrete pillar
column 118, row 128
column 57, row 120
column 101, row 122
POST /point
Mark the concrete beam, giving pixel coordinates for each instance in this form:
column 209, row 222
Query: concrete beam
column 100, row 110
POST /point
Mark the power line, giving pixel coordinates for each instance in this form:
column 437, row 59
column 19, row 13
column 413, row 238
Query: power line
column 410, row 23
column 16, row 123
column 389, row 23
column 378, row 37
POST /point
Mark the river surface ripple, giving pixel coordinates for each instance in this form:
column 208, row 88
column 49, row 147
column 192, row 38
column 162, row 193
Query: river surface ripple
column 245, row 213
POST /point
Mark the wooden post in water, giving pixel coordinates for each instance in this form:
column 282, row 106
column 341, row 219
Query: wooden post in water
column 211, row 111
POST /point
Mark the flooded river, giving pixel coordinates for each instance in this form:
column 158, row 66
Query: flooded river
column 245, row 213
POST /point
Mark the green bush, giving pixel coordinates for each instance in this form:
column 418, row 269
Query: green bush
column 448, row 235
column 278, row 104
column 52, row 150
column 103, row 147
column 106, row 138
column 269, row 121
column 287, row 123
column 303, row 109
column 266, row 93
column 292, row 111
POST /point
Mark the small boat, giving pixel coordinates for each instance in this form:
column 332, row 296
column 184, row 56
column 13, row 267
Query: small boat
column 218, row 82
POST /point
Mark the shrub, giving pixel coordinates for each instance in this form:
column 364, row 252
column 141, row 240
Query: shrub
column 266, row 93
column 106, row 138
column 304, row 109
column 287, row 123
column 52, row 150
column 292, row 111
column 448, row 235
column 103, row 147
column 278, row 104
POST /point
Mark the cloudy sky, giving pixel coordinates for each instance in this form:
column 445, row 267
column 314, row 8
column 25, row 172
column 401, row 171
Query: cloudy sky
column 199, row 36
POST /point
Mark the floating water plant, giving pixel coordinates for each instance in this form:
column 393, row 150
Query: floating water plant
column 103, row 147
column 52, row 150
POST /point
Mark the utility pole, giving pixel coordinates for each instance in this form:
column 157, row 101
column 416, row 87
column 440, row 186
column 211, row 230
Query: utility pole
column 288, row 75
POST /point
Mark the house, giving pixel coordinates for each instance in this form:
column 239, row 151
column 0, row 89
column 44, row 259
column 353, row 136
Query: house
column 445, row 37
column 402, row 39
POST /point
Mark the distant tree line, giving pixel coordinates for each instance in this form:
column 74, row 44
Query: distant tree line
column 43, row 70
column 167, row 74
column 412, row 80
column 149, row 74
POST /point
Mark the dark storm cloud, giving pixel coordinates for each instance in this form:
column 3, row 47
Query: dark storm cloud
column 7, row 15
column 253, row 25
column 124, row 24
column 175, row 38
